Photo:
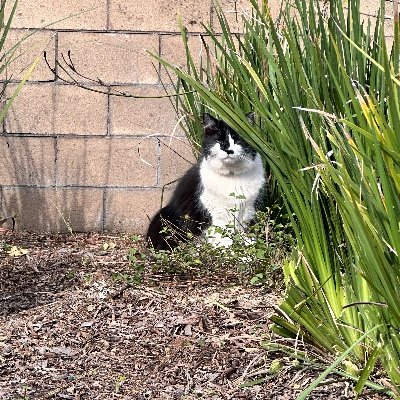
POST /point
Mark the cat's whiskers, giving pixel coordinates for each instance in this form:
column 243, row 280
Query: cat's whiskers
column 246, row 159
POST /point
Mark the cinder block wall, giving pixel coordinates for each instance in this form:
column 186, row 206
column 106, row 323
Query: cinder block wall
column 77, row 159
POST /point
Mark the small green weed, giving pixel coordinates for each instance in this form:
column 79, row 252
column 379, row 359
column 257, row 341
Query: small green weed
column 119, row 382
column 70, row 274
column 24, row 394
column 254, row 255
column 6, row 247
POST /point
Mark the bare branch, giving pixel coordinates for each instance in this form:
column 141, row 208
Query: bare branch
column 73, row 77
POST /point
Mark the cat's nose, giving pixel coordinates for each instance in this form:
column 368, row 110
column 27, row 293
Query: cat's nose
column 229, row 151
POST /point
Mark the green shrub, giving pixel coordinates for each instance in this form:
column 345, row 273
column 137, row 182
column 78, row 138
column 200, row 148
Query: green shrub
column 325, row 90
column 254, row 256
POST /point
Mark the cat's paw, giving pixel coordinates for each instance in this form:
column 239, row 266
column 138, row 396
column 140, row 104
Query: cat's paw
column 249, row 240
column 218, row 240
column 223, row 242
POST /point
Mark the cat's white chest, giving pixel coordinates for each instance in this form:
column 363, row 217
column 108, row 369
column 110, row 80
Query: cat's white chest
column 230, row 199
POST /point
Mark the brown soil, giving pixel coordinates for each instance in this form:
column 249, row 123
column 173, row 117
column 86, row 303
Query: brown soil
column 69, row 329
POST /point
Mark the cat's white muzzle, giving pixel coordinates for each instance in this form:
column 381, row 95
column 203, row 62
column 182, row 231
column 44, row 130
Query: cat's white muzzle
column 229, row 157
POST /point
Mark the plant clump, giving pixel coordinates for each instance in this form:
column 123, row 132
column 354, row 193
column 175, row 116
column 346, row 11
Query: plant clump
column 324, row 87
column 255, row 256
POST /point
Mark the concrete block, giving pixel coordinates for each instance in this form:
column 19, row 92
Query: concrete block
column 131, row 210
column 57, row 109
column 29, row 49
column 54, row 210
column 173, row 51
column 114, row 58
column 107, row 162
column 176, row 157
column 235, row 10
column 74, row 14
column 135, row 116
column 158, row 15
column 27, row 161
column 372, row 7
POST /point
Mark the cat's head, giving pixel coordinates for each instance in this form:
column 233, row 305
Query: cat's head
column 224, row 149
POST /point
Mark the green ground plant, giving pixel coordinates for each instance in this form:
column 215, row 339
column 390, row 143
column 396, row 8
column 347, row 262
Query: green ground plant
column 325, row 90
column 255, row 256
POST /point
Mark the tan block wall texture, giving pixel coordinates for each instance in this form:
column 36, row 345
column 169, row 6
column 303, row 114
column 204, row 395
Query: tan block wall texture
column 72, row 159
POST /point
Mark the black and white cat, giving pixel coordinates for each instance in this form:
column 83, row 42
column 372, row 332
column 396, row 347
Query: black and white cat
column 222, row 190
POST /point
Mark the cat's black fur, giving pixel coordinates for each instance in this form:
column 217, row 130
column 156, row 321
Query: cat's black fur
column 183, row 214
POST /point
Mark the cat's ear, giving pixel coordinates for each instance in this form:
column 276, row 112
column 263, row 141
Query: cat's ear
column 210, row 124
column 251, row 117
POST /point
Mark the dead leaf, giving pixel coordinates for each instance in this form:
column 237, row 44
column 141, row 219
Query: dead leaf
column 16, row 251
column 188, row 330
column 192, row 320
column 64, row 351
column 109, row 246
column 87, row 324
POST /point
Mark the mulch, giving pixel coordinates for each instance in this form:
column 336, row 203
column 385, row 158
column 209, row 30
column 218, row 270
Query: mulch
column 73, row 326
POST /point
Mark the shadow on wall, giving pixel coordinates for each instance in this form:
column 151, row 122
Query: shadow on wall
column 62, row 184
column 74, row 182
column 30, row 194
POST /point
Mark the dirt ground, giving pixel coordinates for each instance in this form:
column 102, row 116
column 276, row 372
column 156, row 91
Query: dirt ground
column 72, row 328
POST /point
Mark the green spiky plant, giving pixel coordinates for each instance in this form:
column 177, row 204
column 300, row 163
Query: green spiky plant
column 8, row 55
column 325, row 91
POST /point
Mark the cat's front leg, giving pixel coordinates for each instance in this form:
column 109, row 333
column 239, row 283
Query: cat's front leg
column 248, row 215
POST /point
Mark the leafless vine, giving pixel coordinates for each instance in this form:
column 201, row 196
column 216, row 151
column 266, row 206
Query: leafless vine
column 74, row 76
